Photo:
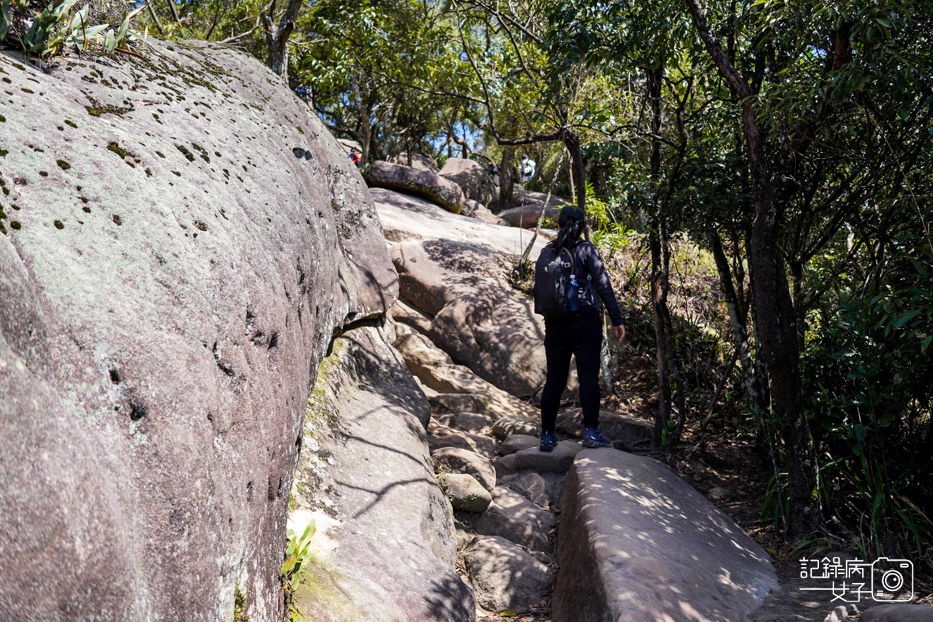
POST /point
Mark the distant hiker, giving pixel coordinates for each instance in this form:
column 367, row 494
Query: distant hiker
column 494, row 173
column 527, row 168
column 356, row 157
column 569, row 275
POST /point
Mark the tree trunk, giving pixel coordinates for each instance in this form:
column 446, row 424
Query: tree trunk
column 361, row 109
column 577, row 172
column 738, row 319
column 660, row 283
column 277, row 36
column 774, row 310
column 506, row 199
column 777, row 332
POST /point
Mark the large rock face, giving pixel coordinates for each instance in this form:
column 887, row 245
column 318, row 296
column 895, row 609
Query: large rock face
column 471, row 177
column 527, row 206
column 455, row 271
column 389, row 554
column 181, row 239
column 420, row 182
column 638, row 543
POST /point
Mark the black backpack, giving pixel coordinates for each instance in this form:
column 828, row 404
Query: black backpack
column 554, row 285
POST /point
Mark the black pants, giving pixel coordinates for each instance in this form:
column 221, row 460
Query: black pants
column 582, row 337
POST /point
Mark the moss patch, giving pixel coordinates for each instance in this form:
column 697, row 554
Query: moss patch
column 117, row 149
column 185, row 152
column 63, row 165
column 97, row 109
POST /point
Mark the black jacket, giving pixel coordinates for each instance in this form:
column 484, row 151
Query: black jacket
column 594, row 280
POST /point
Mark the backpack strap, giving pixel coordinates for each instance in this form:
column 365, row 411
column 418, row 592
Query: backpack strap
column 569, row 254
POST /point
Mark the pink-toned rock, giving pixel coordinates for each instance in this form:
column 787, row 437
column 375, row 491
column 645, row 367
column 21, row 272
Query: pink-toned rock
column 373, row 471
column 557, row 461
column 527, row 208
column 513, row 517
column 638, row 543
column 471, row 177
column 440, row 435
column 422, row 183
column 418, row 161
column 517, row 442
column 456, row 460
column 504, row 576
column 176, row 273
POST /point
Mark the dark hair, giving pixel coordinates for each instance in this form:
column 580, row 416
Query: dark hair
column 572, row 222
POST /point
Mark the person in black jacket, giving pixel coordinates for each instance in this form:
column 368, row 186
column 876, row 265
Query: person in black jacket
column 581, row 335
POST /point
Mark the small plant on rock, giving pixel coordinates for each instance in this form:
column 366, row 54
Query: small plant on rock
column 58, row 26
column 297, row 555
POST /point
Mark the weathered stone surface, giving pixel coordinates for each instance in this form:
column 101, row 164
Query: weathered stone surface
column 469, row 208
column 638, row 543
column 476, row 317
column 527, row 208
column 471, row 177
column 478, row 423
column 898, row 613
column 422, row 183
column 176, row 270
column 557, row 461
column 418, row 161
column 530, row 485
column 508, row 426
column 517, row 442
column 465, row 493
column 455, row 272
column 456, row 402
column 393, row 551
column 485, row 215
column 513, row 517
column 460, row 380
column 405, row 314
column 405, row 217
column 627, row 431
column 440, row 435
column 456, row 460
column 526, row 217
column 503, row 575
column 420, row 354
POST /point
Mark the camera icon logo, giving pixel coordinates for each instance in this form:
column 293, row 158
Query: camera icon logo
column 889, row 577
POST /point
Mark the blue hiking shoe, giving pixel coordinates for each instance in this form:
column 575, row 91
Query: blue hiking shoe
column 593, row 438
column 548, row 441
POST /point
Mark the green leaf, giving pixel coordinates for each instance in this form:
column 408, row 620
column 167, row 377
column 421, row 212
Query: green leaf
column 906, row 318
column 110, row 41
column 4, row 18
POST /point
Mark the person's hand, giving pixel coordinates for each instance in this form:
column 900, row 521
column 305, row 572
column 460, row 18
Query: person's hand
column 619, row 331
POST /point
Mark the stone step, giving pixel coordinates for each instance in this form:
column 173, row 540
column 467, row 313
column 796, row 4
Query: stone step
column 637, row 543
column 516, row 442
column 627, row 431
column 513, row 517
column 503, row 575
column 557, row 461
column 440, row 436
